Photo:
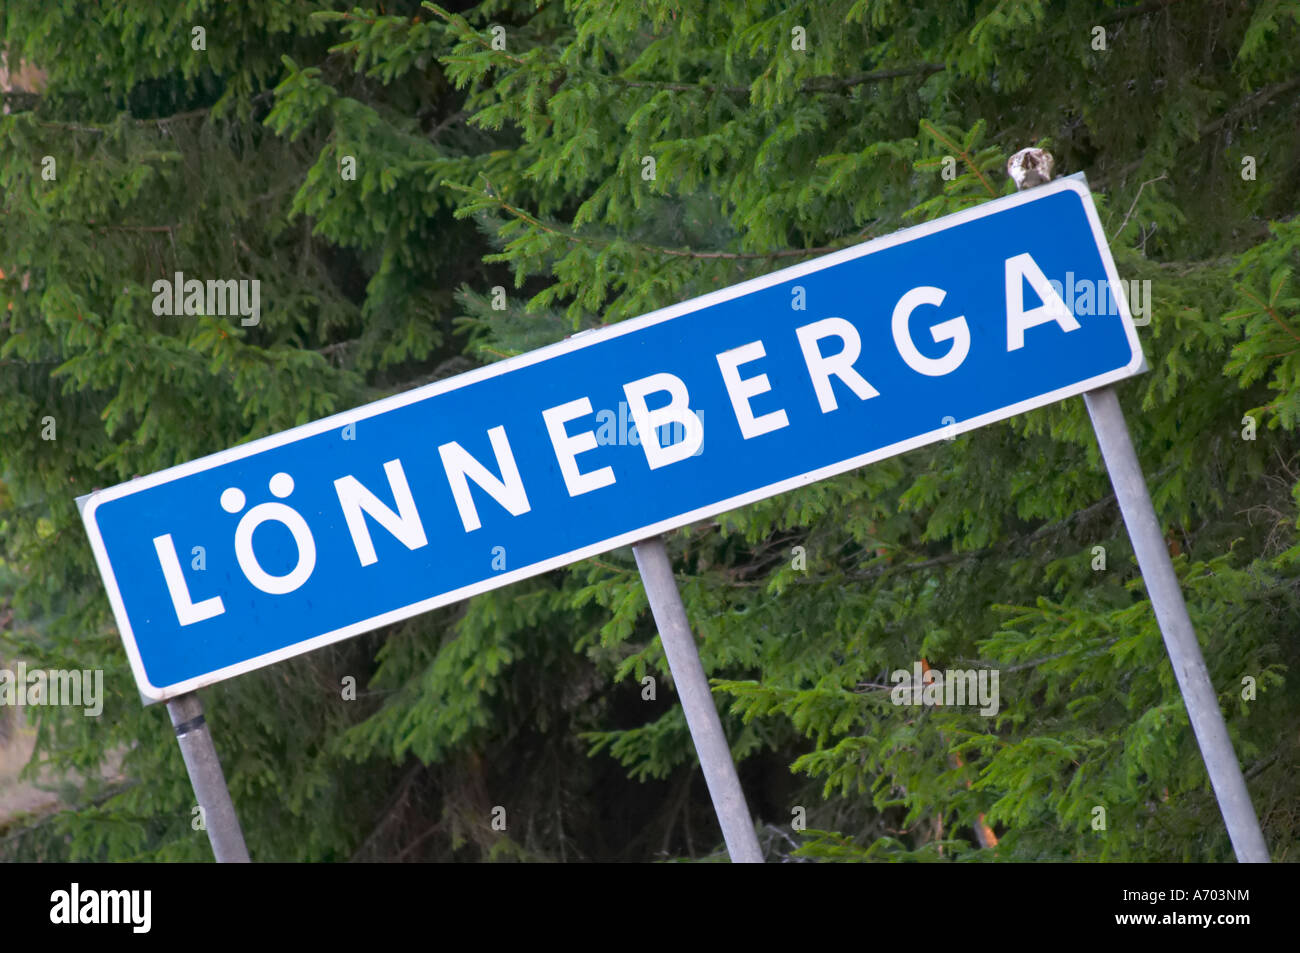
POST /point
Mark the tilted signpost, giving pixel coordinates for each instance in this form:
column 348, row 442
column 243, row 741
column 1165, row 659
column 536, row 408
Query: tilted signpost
column 469, row 484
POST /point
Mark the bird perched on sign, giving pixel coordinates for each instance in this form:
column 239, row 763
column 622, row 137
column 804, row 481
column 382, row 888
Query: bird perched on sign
column 1030, row 167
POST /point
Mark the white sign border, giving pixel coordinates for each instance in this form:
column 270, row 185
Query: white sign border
column 151, row 693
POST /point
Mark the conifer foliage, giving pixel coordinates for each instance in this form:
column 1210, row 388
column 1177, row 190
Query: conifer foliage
column 423, row 188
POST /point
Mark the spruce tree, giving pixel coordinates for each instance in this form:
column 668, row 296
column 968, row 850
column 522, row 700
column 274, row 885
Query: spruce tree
column 583, row 164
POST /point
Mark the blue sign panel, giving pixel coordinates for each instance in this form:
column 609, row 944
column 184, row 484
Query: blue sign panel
column 287, row 543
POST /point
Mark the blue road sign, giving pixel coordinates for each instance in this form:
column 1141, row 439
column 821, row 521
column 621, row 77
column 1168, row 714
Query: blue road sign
column 270, row 549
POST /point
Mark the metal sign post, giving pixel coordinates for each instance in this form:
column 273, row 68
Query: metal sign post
column 1175, row 625
column 693, row 689
column 204, row 768
column 207, row 779
column 1162, row 587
